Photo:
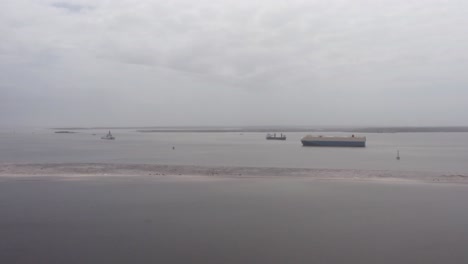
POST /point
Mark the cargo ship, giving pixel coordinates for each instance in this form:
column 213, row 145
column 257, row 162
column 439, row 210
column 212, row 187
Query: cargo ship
column 274, row 137
column 333, row 141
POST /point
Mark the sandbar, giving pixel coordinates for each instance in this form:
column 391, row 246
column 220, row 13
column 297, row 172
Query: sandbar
column 218, row 172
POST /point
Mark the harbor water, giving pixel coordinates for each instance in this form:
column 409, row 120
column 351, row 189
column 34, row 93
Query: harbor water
column 180, row 219
column 439, row 152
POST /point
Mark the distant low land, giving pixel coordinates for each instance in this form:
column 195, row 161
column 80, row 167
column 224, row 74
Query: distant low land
column 265, row 129
column 65, row 132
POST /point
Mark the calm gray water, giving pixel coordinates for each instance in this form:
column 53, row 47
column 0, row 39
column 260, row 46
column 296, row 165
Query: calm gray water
column 441, row 152
column 269, row 220
column 144, row 220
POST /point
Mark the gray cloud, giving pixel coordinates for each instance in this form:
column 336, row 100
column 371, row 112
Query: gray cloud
column 234, row 62
column 72, row 8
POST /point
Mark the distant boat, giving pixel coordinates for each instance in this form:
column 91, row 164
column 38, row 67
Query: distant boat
column 398, row 155
column 65, row 132
column 274, row 137
column 333, row 141
column 108, row 136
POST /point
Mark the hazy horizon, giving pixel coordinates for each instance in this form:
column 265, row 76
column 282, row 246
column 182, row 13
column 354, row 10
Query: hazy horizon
column 319, row 63
column 240, row 129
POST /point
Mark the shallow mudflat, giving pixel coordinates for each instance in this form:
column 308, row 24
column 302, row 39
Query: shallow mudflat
column 166, row 171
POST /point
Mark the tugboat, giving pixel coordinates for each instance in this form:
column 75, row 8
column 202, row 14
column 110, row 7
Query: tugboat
column 274, row 137
column 108, row 136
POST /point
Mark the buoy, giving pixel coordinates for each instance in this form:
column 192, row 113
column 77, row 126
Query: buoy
column 398, row 155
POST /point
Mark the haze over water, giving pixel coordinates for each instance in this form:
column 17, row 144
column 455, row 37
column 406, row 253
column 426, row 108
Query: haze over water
column 439, row 152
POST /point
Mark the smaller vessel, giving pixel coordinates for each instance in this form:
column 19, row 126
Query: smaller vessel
column 398, row 155
column 274, row 137
column 108, row 136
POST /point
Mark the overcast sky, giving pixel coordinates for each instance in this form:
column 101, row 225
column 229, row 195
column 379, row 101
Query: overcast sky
column 239, row 62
